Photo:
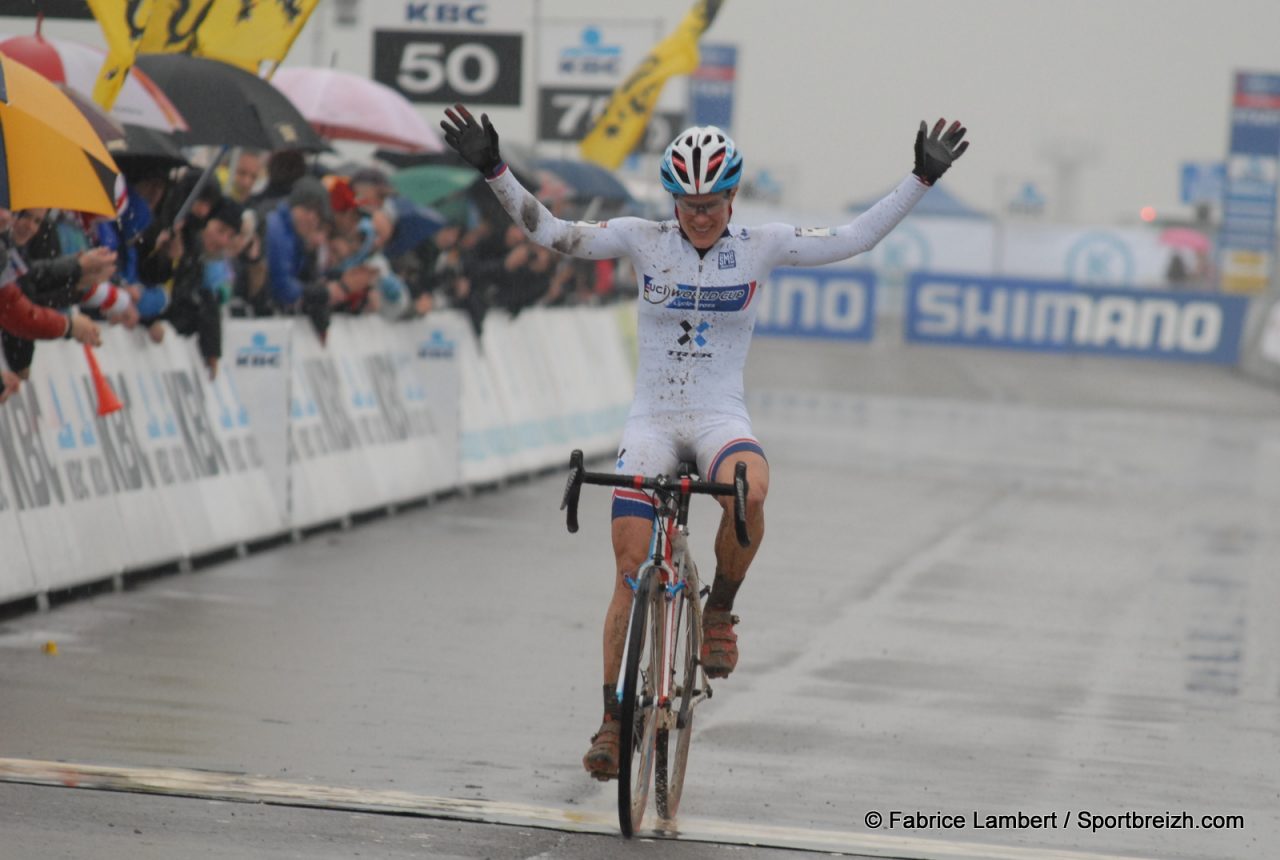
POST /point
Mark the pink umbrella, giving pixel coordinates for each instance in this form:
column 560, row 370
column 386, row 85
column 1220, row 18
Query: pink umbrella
column 343, row 106
column 76, row 66
column 1185, row 237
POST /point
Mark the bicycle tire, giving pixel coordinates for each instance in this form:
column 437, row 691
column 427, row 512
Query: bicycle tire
column 672, row 754
column 639, row 706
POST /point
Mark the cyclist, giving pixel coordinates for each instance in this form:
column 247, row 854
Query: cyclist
column 698, row 275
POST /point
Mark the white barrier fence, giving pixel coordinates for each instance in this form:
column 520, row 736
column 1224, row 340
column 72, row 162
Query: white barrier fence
column 292, row 434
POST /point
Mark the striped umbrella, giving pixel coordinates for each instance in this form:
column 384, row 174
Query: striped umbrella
column 140, row 102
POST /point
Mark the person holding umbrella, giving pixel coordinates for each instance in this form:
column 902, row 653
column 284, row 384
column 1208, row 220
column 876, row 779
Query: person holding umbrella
column 202, row 281
column 49, row 156
column 22, row 322
column 57, row 282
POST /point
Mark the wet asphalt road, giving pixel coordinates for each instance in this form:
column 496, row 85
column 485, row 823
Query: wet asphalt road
column 992, row 584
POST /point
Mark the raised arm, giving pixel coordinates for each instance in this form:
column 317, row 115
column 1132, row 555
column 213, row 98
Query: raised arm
column 477, row 144
column 816, row 246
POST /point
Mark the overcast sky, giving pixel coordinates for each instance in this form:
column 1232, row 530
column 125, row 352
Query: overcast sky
column 830, row 91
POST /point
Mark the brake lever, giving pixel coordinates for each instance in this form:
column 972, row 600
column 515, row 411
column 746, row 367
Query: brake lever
column 572, row 490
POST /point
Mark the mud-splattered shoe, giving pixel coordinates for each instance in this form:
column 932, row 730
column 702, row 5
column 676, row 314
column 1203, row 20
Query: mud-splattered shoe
column 719, row 653
column 601, row 761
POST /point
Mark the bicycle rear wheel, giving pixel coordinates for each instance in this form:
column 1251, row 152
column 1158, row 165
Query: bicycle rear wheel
column 672, row 744
column 639, row 703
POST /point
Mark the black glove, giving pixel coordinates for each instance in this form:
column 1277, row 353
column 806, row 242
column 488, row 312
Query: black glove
column 935, row 153
column 477, row 143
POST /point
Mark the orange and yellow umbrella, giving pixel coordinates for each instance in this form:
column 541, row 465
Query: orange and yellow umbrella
column 50, row 157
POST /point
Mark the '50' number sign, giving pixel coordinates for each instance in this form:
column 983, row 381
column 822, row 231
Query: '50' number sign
column 449, row 67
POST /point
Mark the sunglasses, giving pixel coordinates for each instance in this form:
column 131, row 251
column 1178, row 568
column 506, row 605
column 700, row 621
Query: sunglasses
column 714, row 207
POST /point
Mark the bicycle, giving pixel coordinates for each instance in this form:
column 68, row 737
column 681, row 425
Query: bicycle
column 662, row 678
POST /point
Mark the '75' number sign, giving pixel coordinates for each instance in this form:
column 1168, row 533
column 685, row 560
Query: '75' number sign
column 567, row 114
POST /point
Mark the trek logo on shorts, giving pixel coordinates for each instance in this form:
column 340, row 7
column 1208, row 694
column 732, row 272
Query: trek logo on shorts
column 728, row 260
column 682, row 297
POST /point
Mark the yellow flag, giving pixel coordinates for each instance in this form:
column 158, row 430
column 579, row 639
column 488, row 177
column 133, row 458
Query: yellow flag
column 244, row 33
column 621, row 125
column 122, row 23
column 172, row 25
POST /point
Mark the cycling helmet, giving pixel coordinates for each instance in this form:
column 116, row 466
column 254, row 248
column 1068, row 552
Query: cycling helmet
column 701, row 160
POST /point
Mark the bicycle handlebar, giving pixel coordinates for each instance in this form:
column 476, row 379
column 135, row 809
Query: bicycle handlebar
column 578, row 475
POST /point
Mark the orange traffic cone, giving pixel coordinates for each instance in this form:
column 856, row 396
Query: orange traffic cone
column 107, row 400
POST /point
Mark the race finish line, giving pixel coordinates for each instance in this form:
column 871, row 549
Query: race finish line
column 237, row 788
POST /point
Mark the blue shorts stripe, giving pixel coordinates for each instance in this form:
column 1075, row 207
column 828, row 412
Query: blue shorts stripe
column 733, row 448
column 631, row 505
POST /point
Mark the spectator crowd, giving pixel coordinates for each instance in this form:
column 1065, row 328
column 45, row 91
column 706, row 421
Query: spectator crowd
column 265, row 234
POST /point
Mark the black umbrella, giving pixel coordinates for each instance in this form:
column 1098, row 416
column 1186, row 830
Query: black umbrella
column 146, row 145
column 229, row 106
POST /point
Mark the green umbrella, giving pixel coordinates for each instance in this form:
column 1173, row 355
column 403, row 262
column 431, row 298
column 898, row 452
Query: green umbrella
column 437, row 185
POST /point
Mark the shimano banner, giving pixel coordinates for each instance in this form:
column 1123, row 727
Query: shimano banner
column 1055, row 316
column 826, row 303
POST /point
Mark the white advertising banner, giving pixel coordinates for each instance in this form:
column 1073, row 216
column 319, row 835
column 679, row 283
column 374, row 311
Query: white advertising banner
column 559, row 356
column 486, row 437
column 386, row 389
column 16, row 576
column 65, row 497
column 258, row 353
column 434, row 393
column 225, row 452
column 1119, row 257
column 153, row 502
column 290, row 433
column 1270, row 345
column 601, row 331
column 329, row 470
column 502, row 356
column 147, row 389
column 593, row 380
column 1090, row 257
column 582, row 61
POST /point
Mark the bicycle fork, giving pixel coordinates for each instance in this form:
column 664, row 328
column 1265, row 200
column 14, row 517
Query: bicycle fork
column 660, row 561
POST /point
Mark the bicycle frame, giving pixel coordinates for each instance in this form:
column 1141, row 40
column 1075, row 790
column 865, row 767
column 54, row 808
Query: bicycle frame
column 651, row 684
column 669, row 556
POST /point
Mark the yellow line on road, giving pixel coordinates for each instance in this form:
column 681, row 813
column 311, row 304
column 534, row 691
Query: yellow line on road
column 210, row 785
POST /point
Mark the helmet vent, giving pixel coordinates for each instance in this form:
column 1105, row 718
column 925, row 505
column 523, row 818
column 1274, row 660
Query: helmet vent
column 681, row 169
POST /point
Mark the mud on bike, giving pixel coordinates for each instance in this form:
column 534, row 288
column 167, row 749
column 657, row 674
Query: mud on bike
column 661, row 681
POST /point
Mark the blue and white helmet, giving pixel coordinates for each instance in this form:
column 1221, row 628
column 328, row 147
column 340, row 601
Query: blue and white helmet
column 701, row 160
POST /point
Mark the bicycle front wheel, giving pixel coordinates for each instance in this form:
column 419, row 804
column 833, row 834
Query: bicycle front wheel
column 672, row 744
column 638, row 712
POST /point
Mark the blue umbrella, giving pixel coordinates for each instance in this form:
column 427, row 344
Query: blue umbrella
column 587, row 180
column 414, row 224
